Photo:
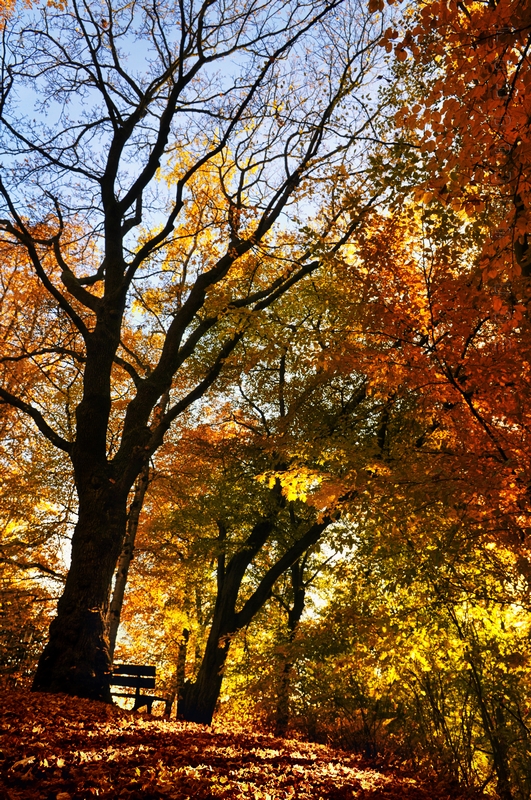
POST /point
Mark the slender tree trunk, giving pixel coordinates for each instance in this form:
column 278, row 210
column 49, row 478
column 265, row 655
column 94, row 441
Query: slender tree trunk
column 200, row 697
column 126, row 556
column 76, row 659
column 180, row 671
column 294, row 617
column 492, row 726
column 494, row 731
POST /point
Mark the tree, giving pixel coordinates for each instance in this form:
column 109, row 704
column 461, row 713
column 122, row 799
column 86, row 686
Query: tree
column 134, row 107
column 422, row 650
column 35, row 512
column 456, row 347
column 245, row 496
column 473, row 118
column 293, row 603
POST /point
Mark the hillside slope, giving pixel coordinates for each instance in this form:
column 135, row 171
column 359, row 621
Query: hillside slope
column 63, row 748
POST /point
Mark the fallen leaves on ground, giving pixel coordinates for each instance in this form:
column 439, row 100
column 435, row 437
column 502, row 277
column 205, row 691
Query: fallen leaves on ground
column 55, row 747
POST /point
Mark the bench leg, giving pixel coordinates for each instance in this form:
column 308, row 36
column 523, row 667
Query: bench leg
column 140, row 702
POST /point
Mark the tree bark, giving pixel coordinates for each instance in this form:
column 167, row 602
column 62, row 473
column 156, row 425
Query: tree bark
column 294, row 616
column 77, row 659
column 180, row 671
column 200, row 698
column 126, row 556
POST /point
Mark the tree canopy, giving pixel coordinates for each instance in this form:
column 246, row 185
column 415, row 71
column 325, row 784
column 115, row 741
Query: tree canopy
column 264, row 366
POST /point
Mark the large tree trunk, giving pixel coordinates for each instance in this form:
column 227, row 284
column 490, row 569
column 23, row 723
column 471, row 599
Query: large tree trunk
column 199, row 698
column 76, row 659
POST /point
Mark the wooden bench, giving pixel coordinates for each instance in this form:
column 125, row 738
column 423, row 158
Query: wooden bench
column 135, row 677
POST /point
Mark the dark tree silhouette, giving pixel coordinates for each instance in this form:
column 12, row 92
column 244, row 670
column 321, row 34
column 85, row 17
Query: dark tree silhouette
column 110, row 117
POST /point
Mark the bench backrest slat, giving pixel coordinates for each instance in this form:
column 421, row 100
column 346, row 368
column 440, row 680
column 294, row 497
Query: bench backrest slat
column 135, row 682
column 134, row 669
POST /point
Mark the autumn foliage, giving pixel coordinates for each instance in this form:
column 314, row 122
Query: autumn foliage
column 67, row 748
column 272, row 385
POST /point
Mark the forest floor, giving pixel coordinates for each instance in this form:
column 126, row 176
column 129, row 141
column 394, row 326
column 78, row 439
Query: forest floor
column 54, row 747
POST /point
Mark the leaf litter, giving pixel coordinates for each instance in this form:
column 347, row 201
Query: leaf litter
column 56, row 747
